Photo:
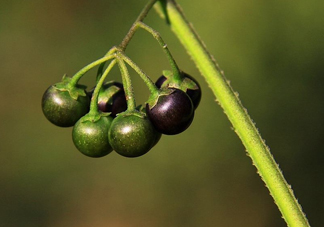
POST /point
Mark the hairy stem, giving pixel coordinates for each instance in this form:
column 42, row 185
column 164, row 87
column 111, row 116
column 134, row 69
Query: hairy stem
column 133, row 29
column 131, row 104
column 85, row 69
column 147, row 80
column 236, row 113
column 102, row 65
column 95, row 95
column 157, row 36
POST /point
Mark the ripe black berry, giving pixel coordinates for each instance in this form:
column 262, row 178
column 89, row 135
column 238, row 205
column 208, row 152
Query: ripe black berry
column 188, row 84
column 172, row 113
column 111, row 98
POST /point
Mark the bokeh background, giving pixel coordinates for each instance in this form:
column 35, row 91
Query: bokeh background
column 271, row 51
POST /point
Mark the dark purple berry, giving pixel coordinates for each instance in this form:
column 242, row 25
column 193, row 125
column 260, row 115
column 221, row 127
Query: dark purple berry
column 172, row 113
column 160, row 81
column 193, row 93
column 111, row 98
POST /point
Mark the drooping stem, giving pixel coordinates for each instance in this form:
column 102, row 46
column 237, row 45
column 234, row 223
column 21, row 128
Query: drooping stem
column 125, row 75
column 94, row 99
column 147, row 80
column 131, row 104
column 157, row 36
column 236, row 113
column 85, row 69
column 133, row 29
column 102, row 65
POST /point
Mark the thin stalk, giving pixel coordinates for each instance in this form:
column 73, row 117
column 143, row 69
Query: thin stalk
column 147, row 80
column 85, row 69
column 131, row 104
column 95, row 95
column 236, row 113
column 157, row 36
column 133, row 29
column 102, row 65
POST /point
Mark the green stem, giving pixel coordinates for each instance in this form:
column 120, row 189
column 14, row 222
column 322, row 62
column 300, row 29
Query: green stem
column 237, row 114
column 133, row 29
column 94, row 100
column 157, row 36
column 85, row 69
column 102, row 65
column 147, row 80
column 131, row 104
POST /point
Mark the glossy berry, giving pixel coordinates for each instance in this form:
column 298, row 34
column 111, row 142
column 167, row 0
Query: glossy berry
column 111, row 98
column 61, row 109
column 90, row 136
column 194, row 94
column 131, row 134
column 172, row 113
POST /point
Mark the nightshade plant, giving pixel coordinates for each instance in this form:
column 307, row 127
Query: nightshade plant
column 132, row 131
column 112, row 121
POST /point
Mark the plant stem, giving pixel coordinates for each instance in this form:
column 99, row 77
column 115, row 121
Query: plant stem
column 94, row 99
column 153, row 89
column 101, row 66
column 131, row 104
column 133, row 29
column 236, row 113
column 85, row 69
column 157, row 36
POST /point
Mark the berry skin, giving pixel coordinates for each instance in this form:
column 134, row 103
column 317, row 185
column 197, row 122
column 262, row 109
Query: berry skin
column 131, row 134
column 61, row 109
column 188, row 84
column 111, row 98
column 90, row 135
column 172, row 113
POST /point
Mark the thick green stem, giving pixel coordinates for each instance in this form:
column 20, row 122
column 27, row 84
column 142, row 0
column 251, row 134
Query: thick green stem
column 237, row 114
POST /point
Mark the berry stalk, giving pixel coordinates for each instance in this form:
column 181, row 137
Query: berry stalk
column 102, row 65
column 94, row 99
column 131, row 104
column 133, row 29
column 157, row 36
column 85, row 69
column 153, row 89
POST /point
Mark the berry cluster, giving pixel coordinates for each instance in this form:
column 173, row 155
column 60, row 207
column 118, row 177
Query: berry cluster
column 106, row 118
column 130, row 133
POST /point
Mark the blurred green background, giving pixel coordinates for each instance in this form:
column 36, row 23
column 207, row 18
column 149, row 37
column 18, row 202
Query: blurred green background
column 271, row 51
